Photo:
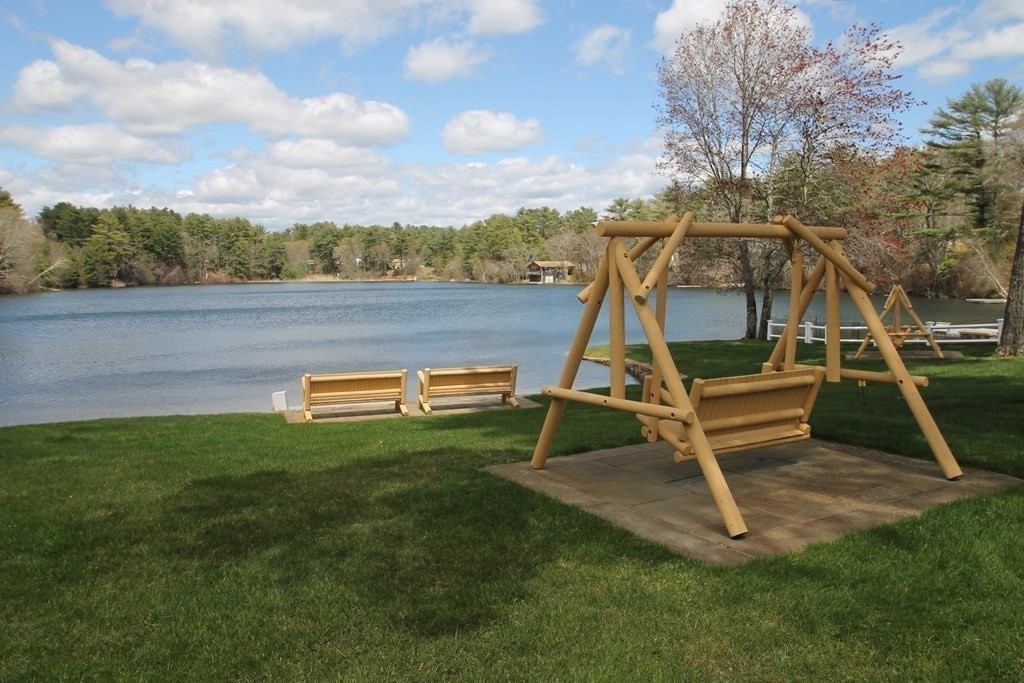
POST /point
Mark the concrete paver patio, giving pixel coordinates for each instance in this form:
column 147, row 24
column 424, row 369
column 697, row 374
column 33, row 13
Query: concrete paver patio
column 789, row 495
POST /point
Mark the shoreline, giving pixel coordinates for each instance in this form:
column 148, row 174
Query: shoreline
column 325, row 280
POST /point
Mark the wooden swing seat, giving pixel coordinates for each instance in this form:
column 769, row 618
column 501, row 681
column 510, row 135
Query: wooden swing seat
column 754, row 411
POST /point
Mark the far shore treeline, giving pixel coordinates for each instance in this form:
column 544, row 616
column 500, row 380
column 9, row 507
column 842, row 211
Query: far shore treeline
column 941, row 219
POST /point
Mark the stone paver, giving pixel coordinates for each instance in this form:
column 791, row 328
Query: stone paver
column 789, row 495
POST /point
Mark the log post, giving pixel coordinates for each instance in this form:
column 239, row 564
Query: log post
column 616, row 328
column 572, row 366
column 795, row 291
column 655, row 385
column 833, row 334
column 813, row 280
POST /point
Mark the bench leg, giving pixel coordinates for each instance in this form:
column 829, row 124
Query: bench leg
column 308, row 415
column 511, row 399
column 400, row 407
column 424, row 406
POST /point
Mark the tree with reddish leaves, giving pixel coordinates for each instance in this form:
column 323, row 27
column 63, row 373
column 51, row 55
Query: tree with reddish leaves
column 879, row 212
column 743, row 96
column 844, row 97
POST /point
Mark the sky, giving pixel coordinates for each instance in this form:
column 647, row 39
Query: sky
column 437, row 112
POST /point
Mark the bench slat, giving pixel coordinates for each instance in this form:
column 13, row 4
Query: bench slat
column 497, row 386
column 750, row 419
column 441, row 372
column 718, row 390
column 365, row 396
column 348, row 376
column 724, row 444
column 441, row 393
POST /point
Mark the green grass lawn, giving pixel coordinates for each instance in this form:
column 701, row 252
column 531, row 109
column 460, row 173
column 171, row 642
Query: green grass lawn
column 241, row 547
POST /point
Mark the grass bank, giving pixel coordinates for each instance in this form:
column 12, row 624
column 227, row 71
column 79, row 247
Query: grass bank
column 239, row 547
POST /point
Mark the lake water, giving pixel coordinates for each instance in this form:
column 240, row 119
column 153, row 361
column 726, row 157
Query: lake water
column 185, row 350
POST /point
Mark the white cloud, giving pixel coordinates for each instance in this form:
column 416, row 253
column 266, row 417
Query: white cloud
column 63, row 181
column 260, row 179
column 1005, row 41
column 160, row 99
column 684, row 15
column 925, row 38
column 604, row 45
column 945, row 43
column 266, row 191
column 439, row 60
column 462, row 193
column 340, row 117
column 326, row 154
column 498, row 17
column 90, row 144
column 205, row 28
column 999, row 10
column 42, row 85
column 942, row 70
column 844, row 12
column 479, row 131
column 267, row 25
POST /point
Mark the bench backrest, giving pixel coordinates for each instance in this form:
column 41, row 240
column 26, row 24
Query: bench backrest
column 743, row 403
column 497, row 376
column 355, row 382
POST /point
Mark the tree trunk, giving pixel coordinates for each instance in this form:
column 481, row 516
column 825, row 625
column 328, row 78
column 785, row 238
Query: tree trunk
column 1012, row 341
column 767, row 299
column 747, row 272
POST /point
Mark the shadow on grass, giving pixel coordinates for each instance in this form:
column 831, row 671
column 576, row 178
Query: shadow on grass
column 434, row 549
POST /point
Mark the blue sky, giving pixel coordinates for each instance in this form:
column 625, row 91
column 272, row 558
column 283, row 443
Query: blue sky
column 373, row 111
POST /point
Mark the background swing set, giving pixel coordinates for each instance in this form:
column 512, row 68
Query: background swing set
column 728, row 414
column 897, row 305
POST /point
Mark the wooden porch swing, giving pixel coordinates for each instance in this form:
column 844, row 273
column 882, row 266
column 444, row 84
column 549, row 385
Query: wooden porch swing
column 727, row 414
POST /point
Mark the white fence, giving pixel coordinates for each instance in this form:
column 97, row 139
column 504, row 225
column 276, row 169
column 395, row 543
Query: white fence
column 975, row 333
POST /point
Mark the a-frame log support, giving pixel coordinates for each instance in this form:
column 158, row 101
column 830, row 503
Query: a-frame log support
column 896, row 304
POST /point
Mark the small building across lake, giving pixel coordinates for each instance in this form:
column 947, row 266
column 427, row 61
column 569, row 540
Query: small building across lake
column 548, row 272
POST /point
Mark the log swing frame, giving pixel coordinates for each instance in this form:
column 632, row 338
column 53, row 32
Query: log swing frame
column 668, row 412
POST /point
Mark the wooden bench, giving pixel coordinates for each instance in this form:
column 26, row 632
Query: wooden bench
column 353, row 387
column 753, row 411
column 475, row 381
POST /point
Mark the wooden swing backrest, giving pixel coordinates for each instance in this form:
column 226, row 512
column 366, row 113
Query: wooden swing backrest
column 752, row 411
